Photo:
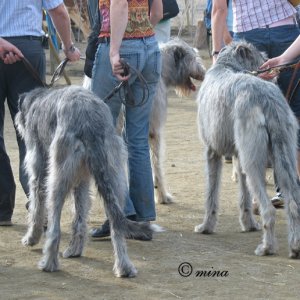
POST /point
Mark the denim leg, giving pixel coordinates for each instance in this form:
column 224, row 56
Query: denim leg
column 103, row 82
column 137, row 133
column 143, row 55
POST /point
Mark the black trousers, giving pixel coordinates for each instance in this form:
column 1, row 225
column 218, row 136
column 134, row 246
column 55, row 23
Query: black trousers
column 15, row 79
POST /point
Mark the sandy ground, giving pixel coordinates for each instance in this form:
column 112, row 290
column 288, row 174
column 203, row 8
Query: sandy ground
column 228, row 251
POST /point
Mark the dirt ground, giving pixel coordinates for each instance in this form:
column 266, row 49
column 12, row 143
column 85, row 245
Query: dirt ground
column 228, row 251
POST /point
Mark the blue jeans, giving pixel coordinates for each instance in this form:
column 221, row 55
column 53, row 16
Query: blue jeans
column 142, row 54
column 274, row 41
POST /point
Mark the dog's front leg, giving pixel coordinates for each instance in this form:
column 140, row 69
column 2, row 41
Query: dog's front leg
column 162, row 196
column 214, row 169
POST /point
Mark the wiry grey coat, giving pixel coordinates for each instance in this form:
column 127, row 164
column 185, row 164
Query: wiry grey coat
column 70, row 136
column 242, row 115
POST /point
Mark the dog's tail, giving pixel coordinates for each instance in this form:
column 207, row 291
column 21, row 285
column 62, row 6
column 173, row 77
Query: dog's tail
column 108, row 169
column 283, row 138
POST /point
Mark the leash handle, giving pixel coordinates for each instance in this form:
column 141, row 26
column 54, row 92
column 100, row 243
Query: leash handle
column 278, row 68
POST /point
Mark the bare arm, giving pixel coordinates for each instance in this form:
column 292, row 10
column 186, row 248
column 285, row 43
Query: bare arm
column 218, row 23
column 118, row 23
column 287, row 56
column 8, row 52
column 62, row 23
column 156, row 12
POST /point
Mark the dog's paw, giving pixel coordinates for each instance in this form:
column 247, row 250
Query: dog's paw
column 164, row 199
column 125, row 271
column 49, row 265
column 71, row 252
column 29, row 240
column 294, row 245
column 255, row 226
column 263, row 250
column 248, row 223
column 203, row 228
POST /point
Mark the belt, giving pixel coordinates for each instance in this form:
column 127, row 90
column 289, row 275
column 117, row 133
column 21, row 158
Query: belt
column 106, row 39
column 24, row 37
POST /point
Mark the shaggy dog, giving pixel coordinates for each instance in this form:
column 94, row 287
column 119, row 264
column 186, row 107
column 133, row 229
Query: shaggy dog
column 180, row 64
column 70, row 136
column 246, row 117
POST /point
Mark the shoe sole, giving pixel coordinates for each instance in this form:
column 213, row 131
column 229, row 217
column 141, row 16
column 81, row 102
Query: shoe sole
column 277, row 203
column 6, row 223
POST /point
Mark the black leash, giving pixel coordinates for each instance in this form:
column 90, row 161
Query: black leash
column 128, row 98
column 291, row 65
column 56, row 75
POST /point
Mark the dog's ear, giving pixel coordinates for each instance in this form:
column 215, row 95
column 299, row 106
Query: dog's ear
column 243, row 51
column 178, row 55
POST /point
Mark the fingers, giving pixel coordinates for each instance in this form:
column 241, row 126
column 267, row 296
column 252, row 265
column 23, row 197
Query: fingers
column 74, row 55
column 11, row 57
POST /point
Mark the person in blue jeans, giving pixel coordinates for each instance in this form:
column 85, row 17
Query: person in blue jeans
column 122, row 38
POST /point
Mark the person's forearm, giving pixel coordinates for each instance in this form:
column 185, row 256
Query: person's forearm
column 118, row 23
column 219, row 14
column 61, row 20
column 156, row 12
column 292, row 52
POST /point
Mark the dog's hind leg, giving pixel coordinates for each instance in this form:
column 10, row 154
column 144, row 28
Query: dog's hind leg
column 252, row 142
column 214, row 169
column 247, row 221
column 79, row 225
column 35, row 164
column 65, row 161
column 162, row 196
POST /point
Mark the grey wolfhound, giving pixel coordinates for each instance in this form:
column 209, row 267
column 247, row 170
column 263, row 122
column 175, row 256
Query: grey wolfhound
column 244, row 116
column 70, row 136
column 180, row 64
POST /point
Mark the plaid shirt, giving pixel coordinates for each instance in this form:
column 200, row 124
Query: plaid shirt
column 254, row 14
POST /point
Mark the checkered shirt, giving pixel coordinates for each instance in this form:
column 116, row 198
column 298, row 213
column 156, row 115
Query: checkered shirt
column 252, row 14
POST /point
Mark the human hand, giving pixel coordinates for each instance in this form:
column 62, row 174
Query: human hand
column 9, row 53
column 270, row 63
column 72, row 53
column 117, row 67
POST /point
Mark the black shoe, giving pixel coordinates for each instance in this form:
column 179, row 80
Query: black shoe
column 27, row 205
column 102, row 231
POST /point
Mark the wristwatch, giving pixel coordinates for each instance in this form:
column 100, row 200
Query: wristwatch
column 215, row 53
column 70, row 49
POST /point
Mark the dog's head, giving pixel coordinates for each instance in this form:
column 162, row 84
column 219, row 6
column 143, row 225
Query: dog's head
column 180, row 65
column 242, row 56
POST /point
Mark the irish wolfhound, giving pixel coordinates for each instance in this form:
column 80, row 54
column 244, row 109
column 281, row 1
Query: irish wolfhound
column 244, row 116
column 180, row 64
column 69, row 135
